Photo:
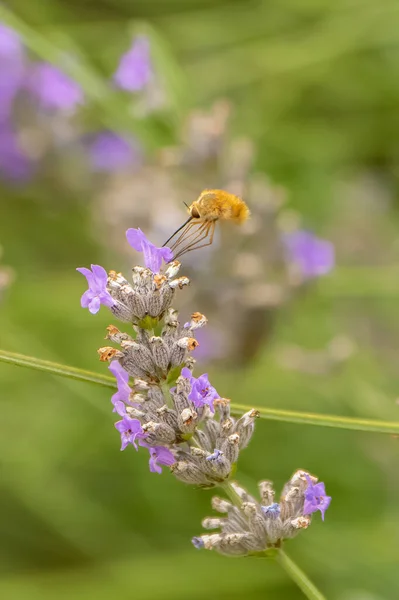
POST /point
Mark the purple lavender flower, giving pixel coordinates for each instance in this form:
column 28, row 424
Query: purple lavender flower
column 202, row 392
column 272, row 511
column 130, row 430
column 197, row 542
column 14, row 165
column 153, row 256
column 215, row 455
column 97, row 293
column 135, row 68
column 12, row 69
column 110, row 152
column 53, row 89
column 312, row 255
column 315, row 498
column 124, row 390
column 160, row 456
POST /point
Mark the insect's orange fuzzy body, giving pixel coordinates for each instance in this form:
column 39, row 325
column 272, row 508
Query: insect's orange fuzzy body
column 210, row 207
column 213, row 205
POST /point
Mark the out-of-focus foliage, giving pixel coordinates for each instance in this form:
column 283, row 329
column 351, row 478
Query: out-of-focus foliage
column 314, row 86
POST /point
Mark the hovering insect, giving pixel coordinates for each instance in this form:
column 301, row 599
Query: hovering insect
column 211, row 206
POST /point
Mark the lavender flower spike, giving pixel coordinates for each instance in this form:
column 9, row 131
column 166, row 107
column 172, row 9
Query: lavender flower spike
column 315, row 498
column 153, row 256
column 202, row 392
column 124, row 390
column 135, row 69
column 97, row 293
column 313, row 256
column 130, row 430
column 160, row 456
column 54, row 89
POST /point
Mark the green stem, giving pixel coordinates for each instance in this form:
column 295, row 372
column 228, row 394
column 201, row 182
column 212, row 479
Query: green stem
column 31, row 362
column 166, row 392
column 293, row 416
column 299, row 577
column 231, row 493
column 275, row 414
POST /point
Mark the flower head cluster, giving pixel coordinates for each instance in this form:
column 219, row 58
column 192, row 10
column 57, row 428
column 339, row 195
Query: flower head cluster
column 181, row 419
column 252, row 527
column 187, row 426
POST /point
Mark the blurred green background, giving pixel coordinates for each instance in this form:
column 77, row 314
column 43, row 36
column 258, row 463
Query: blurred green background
column 314, row 86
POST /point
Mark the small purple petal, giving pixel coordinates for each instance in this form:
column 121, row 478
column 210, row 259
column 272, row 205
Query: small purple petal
column 136, row 238
column 198, row 543
column 100, row 274
column 159, row 455
column 97, row 293
column 94, row 305
column 185, row 372
column 315, row 498
column 153, row 256
column 130, row 430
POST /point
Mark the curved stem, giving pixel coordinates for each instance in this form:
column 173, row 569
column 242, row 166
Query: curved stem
column 293, row 416
column 299, row 577
column 275, row 414
column 291, row 568
column 53, row 368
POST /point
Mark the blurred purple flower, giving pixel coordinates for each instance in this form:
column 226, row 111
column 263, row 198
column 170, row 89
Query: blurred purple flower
column 12, row 69
column 97, row 293
column 153, row 256
column 202, row 392
column 135, row 68
column 14, row 164
column 312, row 255
column 315, row 498
column 130, row 430
column 160, row 456
column 53, row 89
column 124, row 390
column 211, row 344
column 110, row 152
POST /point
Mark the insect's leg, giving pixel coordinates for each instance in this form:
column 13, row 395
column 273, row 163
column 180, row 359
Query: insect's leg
column 195, row 244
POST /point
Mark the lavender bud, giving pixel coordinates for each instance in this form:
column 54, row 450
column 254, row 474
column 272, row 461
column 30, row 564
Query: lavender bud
column 222, row 405
column 245, row 427
column 141, row 356
column 187, row 420
column 266, row 492
column 116, row 336
column 189, row 472
column 231, row 448
column 179, row 283
column 198, row 320
column 160, row 352
column 159, row 434
column 168, row 416
column 172, row 269
column 212, row 523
